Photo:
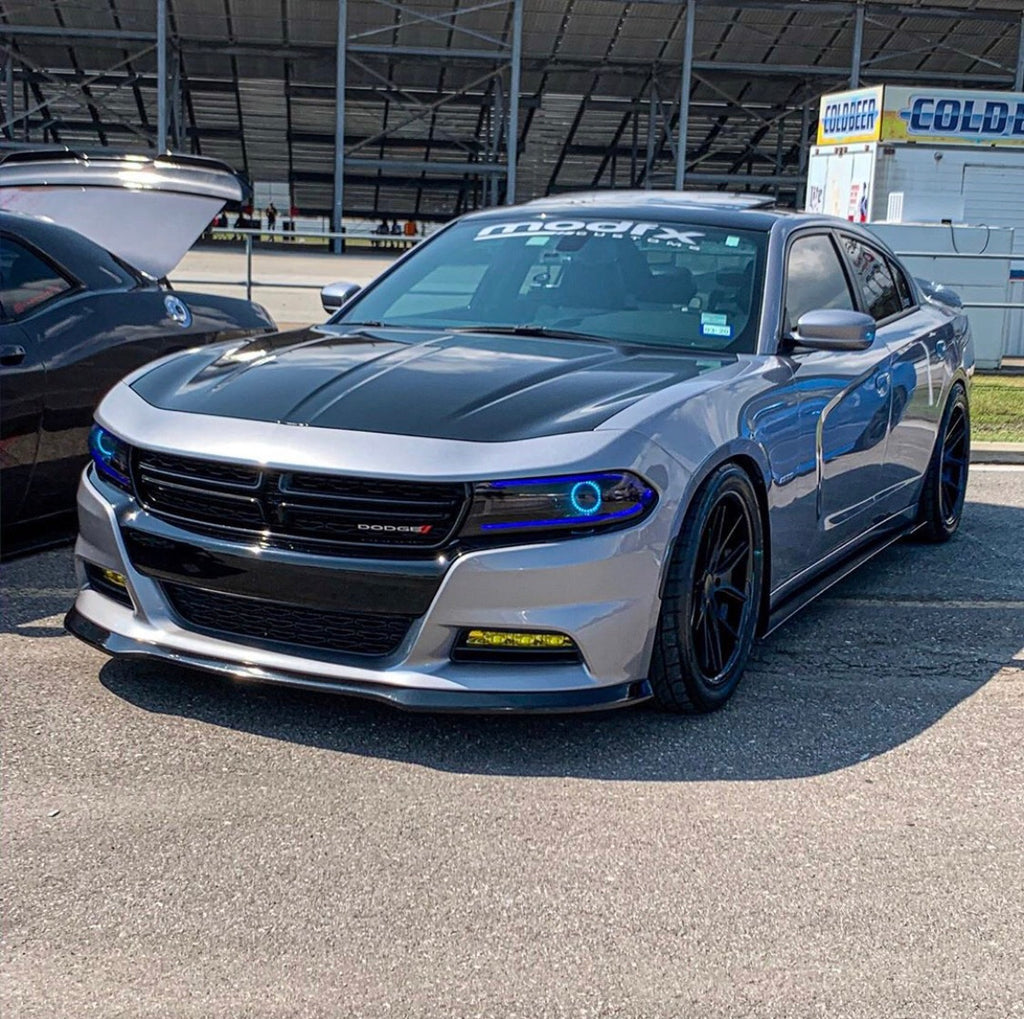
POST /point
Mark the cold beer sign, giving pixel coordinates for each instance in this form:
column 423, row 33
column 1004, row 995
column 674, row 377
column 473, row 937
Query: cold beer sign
column 983, row 118
column 933, row 116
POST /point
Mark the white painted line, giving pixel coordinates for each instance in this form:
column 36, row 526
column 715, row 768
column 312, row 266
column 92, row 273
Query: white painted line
column 989, row 468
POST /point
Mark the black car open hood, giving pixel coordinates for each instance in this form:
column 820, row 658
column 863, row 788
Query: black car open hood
column 471, row 386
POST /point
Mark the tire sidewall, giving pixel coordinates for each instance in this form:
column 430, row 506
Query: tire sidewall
column 726, row 480
column 937, row 525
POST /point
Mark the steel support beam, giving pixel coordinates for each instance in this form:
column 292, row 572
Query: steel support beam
column 685, row 84
column 425, row 166
column 55, row 32
column 337, row 244
column 1018, row 81
column 161, row 76
column 858, row 46
column 512, row 144
column 9, row 96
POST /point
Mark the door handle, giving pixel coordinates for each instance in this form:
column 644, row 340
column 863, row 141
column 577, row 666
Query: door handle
column 11, row 354
column 882, row 383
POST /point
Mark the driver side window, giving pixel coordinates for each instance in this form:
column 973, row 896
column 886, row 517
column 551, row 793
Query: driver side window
column 814, row 279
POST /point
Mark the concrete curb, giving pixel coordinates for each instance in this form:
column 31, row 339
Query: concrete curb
column 997, row 452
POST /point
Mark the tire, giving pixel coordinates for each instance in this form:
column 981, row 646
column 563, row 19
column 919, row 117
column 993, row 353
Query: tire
column 712, row 596
column 942, row 498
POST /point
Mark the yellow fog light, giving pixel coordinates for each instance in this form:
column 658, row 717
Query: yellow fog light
column 517, row 639
column 514, row 646
column 113, row 577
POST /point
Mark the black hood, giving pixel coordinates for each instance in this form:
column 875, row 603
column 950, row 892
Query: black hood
column 471, row 386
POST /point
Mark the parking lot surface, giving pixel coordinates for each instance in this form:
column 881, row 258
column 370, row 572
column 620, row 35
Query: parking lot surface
column 845, row 839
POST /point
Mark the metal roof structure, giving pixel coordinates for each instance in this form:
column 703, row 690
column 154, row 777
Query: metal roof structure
column 590, row 93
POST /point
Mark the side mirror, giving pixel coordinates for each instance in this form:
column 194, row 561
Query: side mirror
column 835, row 329
column 334, row 295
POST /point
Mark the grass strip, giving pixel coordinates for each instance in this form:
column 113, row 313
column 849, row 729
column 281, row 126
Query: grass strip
column 997, row 408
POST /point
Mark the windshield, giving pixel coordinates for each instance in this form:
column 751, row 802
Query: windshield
column 642, row 281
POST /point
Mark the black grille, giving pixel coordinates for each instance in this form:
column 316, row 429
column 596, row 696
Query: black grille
column 234, row 616
column 306, row 510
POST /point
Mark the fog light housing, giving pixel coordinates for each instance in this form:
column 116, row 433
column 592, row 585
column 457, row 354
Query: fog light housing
column 113, row 577
column 109, row 582
column 537, row 646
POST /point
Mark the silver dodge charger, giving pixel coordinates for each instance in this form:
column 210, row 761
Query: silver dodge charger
column 568, row 455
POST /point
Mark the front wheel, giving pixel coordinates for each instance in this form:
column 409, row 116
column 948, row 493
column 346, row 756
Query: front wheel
column 712, row 593
column 945, row 484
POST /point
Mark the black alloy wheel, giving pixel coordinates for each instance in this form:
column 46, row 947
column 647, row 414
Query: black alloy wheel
column 945, row 484
column 712, row 597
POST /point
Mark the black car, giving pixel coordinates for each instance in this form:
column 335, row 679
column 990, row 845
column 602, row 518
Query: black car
column 75, row 318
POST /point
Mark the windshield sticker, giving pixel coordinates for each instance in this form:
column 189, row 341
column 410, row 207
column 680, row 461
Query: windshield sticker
column 732, row 242
column 544, row 228
column 711, row 329
column 539, row 241
column 713, row 318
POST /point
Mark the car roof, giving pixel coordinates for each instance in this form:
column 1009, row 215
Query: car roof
column 752, row 212
column 716, row 199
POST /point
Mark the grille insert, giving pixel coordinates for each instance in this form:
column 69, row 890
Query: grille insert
column 235, row 616
column 306, row 510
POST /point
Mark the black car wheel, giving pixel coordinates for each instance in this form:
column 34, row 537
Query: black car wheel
column 710, row 606
column 945, row 484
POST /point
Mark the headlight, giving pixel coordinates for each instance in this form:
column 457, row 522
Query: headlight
column 573, row 502
column 110, row 455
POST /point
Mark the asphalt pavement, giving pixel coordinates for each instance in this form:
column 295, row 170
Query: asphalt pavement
column 845, row 839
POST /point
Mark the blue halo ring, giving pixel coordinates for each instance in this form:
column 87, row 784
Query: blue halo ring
column 574, row 494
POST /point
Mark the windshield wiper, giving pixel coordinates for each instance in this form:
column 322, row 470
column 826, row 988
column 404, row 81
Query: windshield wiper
column 542, row 331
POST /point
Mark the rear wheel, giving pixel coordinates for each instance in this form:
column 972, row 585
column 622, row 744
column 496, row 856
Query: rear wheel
column 945, row 484
column 712, row 594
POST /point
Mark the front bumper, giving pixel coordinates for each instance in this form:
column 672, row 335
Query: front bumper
column 601, row 590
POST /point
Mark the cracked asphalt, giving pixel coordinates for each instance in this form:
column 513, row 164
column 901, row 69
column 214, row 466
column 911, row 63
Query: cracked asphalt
column 845, row 839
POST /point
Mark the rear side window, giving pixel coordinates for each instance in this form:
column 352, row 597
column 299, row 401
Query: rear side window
column 902, row 286
column 26, row 280
column 814, row 279
column 874, row 279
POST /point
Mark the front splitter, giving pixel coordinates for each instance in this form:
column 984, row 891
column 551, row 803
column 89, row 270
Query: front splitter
column 455, row 701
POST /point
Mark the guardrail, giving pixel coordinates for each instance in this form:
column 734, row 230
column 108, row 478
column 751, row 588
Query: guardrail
column 378, row 242
column 980, row 255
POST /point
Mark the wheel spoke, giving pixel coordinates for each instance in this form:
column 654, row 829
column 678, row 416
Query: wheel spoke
column 726, row 539
column 714, row 546
column 709, row 658
column 734, row 558
column 724, row 624
column 729, row 591
column 719, row 657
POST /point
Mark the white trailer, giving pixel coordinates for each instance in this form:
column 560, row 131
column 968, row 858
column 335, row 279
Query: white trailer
column 897, row 154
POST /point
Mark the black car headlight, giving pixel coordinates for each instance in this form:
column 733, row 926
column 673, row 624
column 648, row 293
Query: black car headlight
column 110, row 455
column 569, row 503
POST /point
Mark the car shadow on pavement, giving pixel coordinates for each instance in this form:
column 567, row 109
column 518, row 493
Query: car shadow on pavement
column 36, row 592
column 881, row 658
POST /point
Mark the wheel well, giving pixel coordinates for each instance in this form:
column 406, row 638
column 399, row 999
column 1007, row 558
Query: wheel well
column 753, row 472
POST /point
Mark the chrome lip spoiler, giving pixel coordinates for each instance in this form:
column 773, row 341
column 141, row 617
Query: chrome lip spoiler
column 147, row 210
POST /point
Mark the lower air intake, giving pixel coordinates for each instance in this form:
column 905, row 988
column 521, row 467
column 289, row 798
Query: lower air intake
column 232, row 616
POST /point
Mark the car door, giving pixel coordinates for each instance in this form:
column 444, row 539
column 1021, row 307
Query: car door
column 917, row 348
column 843, row 399
column 28, row 283
column 22, row 389
column 92, row 342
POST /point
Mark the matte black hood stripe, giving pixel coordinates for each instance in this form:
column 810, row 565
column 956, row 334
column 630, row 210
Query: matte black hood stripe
column 438, row 385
